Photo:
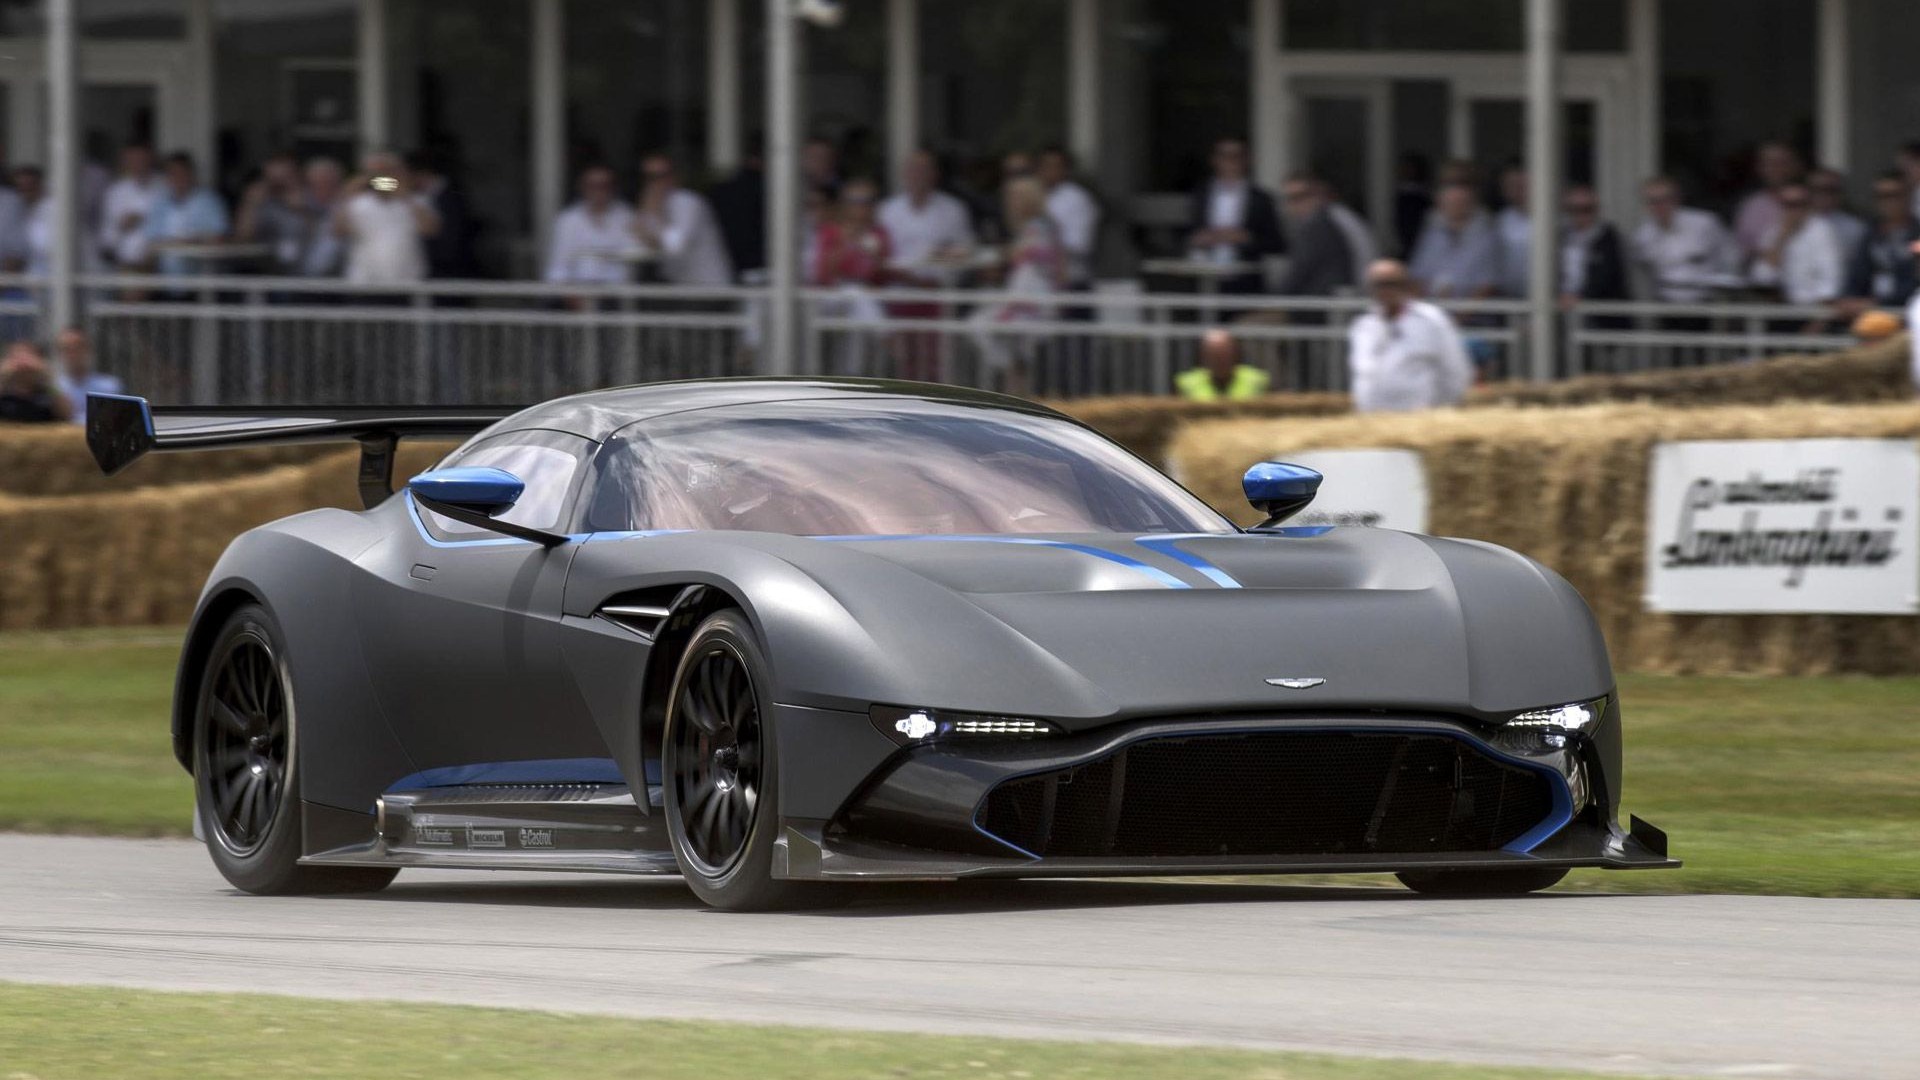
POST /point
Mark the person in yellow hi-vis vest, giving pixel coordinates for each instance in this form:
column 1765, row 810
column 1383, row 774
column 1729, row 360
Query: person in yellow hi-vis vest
column 1221, row 376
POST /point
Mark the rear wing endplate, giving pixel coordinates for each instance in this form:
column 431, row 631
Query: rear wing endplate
column 122, row 429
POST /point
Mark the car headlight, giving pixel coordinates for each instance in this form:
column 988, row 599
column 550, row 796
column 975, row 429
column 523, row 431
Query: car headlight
column 1551, row 728
column 911, row 727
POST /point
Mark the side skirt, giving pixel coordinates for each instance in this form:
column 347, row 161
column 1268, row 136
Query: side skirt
column 594, row 828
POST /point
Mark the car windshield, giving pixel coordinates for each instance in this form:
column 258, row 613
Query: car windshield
column 882, row 468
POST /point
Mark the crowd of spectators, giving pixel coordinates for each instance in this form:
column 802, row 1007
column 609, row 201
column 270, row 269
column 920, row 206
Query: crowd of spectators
column 1034, row 240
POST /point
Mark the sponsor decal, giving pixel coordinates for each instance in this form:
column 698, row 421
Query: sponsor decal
column 536, row 838
column 486, row 838
column 432, row 836
column 1789, row 526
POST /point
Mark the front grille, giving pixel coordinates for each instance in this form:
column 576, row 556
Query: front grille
column 1273, row 793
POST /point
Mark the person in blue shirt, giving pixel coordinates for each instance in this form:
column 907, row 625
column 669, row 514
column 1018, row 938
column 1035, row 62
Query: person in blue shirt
column 76, row 376
column 185, row 213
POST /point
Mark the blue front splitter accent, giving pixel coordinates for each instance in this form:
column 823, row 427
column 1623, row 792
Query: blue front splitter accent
column 552, row 771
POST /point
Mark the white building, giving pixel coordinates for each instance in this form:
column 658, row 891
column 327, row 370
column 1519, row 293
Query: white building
column 517, row 90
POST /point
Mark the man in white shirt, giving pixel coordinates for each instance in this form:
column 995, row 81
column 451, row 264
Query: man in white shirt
column 1799, row 255
column 1686, row 253
column 680, row 225
column 1404, row 353
column 591, row 236
column 385, row 224
column 923, row 222
column 124, row 209
column 1075, row 214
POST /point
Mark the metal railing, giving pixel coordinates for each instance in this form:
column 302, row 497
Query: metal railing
column 260, row 340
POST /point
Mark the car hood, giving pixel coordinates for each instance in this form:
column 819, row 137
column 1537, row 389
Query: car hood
column 1090, row 628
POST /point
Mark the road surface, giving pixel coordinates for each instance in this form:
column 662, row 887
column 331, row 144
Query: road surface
column 1690, row 986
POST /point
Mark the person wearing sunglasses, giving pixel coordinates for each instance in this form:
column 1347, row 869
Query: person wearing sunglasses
column 1799, row 257
column 1233, row 219
column 1880, row 271
column 1593, row 262
column 680, row 226
column 1684, row 251
column 1404, row 353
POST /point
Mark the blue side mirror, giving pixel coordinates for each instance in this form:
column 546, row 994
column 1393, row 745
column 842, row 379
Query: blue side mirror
column 1279, row 490
column 482, row 489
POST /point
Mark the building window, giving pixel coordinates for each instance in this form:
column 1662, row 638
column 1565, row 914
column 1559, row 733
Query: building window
column 636, row 83
column 1173, row 79
column 286, row 80
column 1445, row 25
column 1735, row 73
column 460, row 78
column 993, row 76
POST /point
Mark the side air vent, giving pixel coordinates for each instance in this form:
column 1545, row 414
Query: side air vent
column 641, row 619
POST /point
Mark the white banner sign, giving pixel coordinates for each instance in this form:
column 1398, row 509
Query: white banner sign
column 1785, row 526
column 1385, row 489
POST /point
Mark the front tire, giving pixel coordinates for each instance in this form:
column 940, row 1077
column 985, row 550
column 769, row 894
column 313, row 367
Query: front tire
column 720, row 768
column 1467, row 883
column 246, row 783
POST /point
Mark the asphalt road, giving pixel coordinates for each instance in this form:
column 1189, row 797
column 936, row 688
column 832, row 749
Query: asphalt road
column 1711, row 985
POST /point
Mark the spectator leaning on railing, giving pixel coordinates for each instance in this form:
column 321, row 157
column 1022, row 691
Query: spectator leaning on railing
column 1880, row 272
column 680, row 226
column 273, row 212
column 1593, row 261
column 1775, row 165
column 1321, row 259
column 185, row 213
column 1233, row 220
column 130, row 198
column 1404, row 353
column 28, row 244
column 1799, row 256
column 1685, row 252
column 592, row 238
column 1458, row 257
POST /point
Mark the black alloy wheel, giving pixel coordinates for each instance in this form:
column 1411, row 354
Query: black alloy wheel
column 246, row 745
column 717, row 757
column 720, row 763
column 245, row 753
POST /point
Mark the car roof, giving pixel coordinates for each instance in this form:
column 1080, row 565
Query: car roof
column 599, row 413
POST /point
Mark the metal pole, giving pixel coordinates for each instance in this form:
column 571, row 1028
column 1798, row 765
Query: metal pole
column 783, row 190
column 370, row 51
column 723, row 86
column 549, row 119
column 1083, row 83
column 63, row 172
column 903, row 83
column 1544, row 154
column 1832, row 94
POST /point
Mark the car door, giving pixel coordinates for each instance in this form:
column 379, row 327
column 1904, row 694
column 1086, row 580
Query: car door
column 462, row 625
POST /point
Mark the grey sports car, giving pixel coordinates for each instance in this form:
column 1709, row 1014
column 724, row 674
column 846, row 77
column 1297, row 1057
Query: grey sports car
column 771, row 633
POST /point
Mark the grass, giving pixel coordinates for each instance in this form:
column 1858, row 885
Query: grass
column 1795, row 786
column 65, row 1033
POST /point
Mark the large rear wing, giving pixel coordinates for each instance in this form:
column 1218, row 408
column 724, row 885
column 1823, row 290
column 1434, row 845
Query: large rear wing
column 122, row 429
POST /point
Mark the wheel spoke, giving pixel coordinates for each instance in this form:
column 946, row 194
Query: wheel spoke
column 709, row 814
column 232, row 721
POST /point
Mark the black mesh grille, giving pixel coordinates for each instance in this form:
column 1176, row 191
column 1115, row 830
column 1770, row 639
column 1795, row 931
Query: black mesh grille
column 1273, row 793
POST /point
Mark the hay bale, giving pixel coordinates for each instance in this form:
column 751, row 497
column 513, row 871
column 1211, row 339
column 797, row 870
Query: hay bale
column 1569, row 487
column 1145, row 424
column 52, row 459
column 1870, row 373
column 140, row 557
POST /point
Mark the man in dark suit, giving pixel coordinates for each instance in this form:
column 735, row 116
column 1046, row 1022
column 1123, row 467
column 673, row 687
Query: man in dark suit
column 740, row 204
column 1321, row 259
column 450, row 249
column 1880, row 272
column 1232, row 220
column 1593, row 261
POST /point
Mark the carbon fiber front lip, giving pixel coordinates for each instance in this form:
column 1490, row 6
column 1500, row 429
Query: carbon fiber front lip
column 804, row 854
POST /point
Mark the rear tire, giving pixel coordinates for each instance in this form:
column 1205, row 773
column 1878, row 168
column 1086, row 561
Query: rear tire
column 720, row 770
column 1513, row 882
column 245, row 773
